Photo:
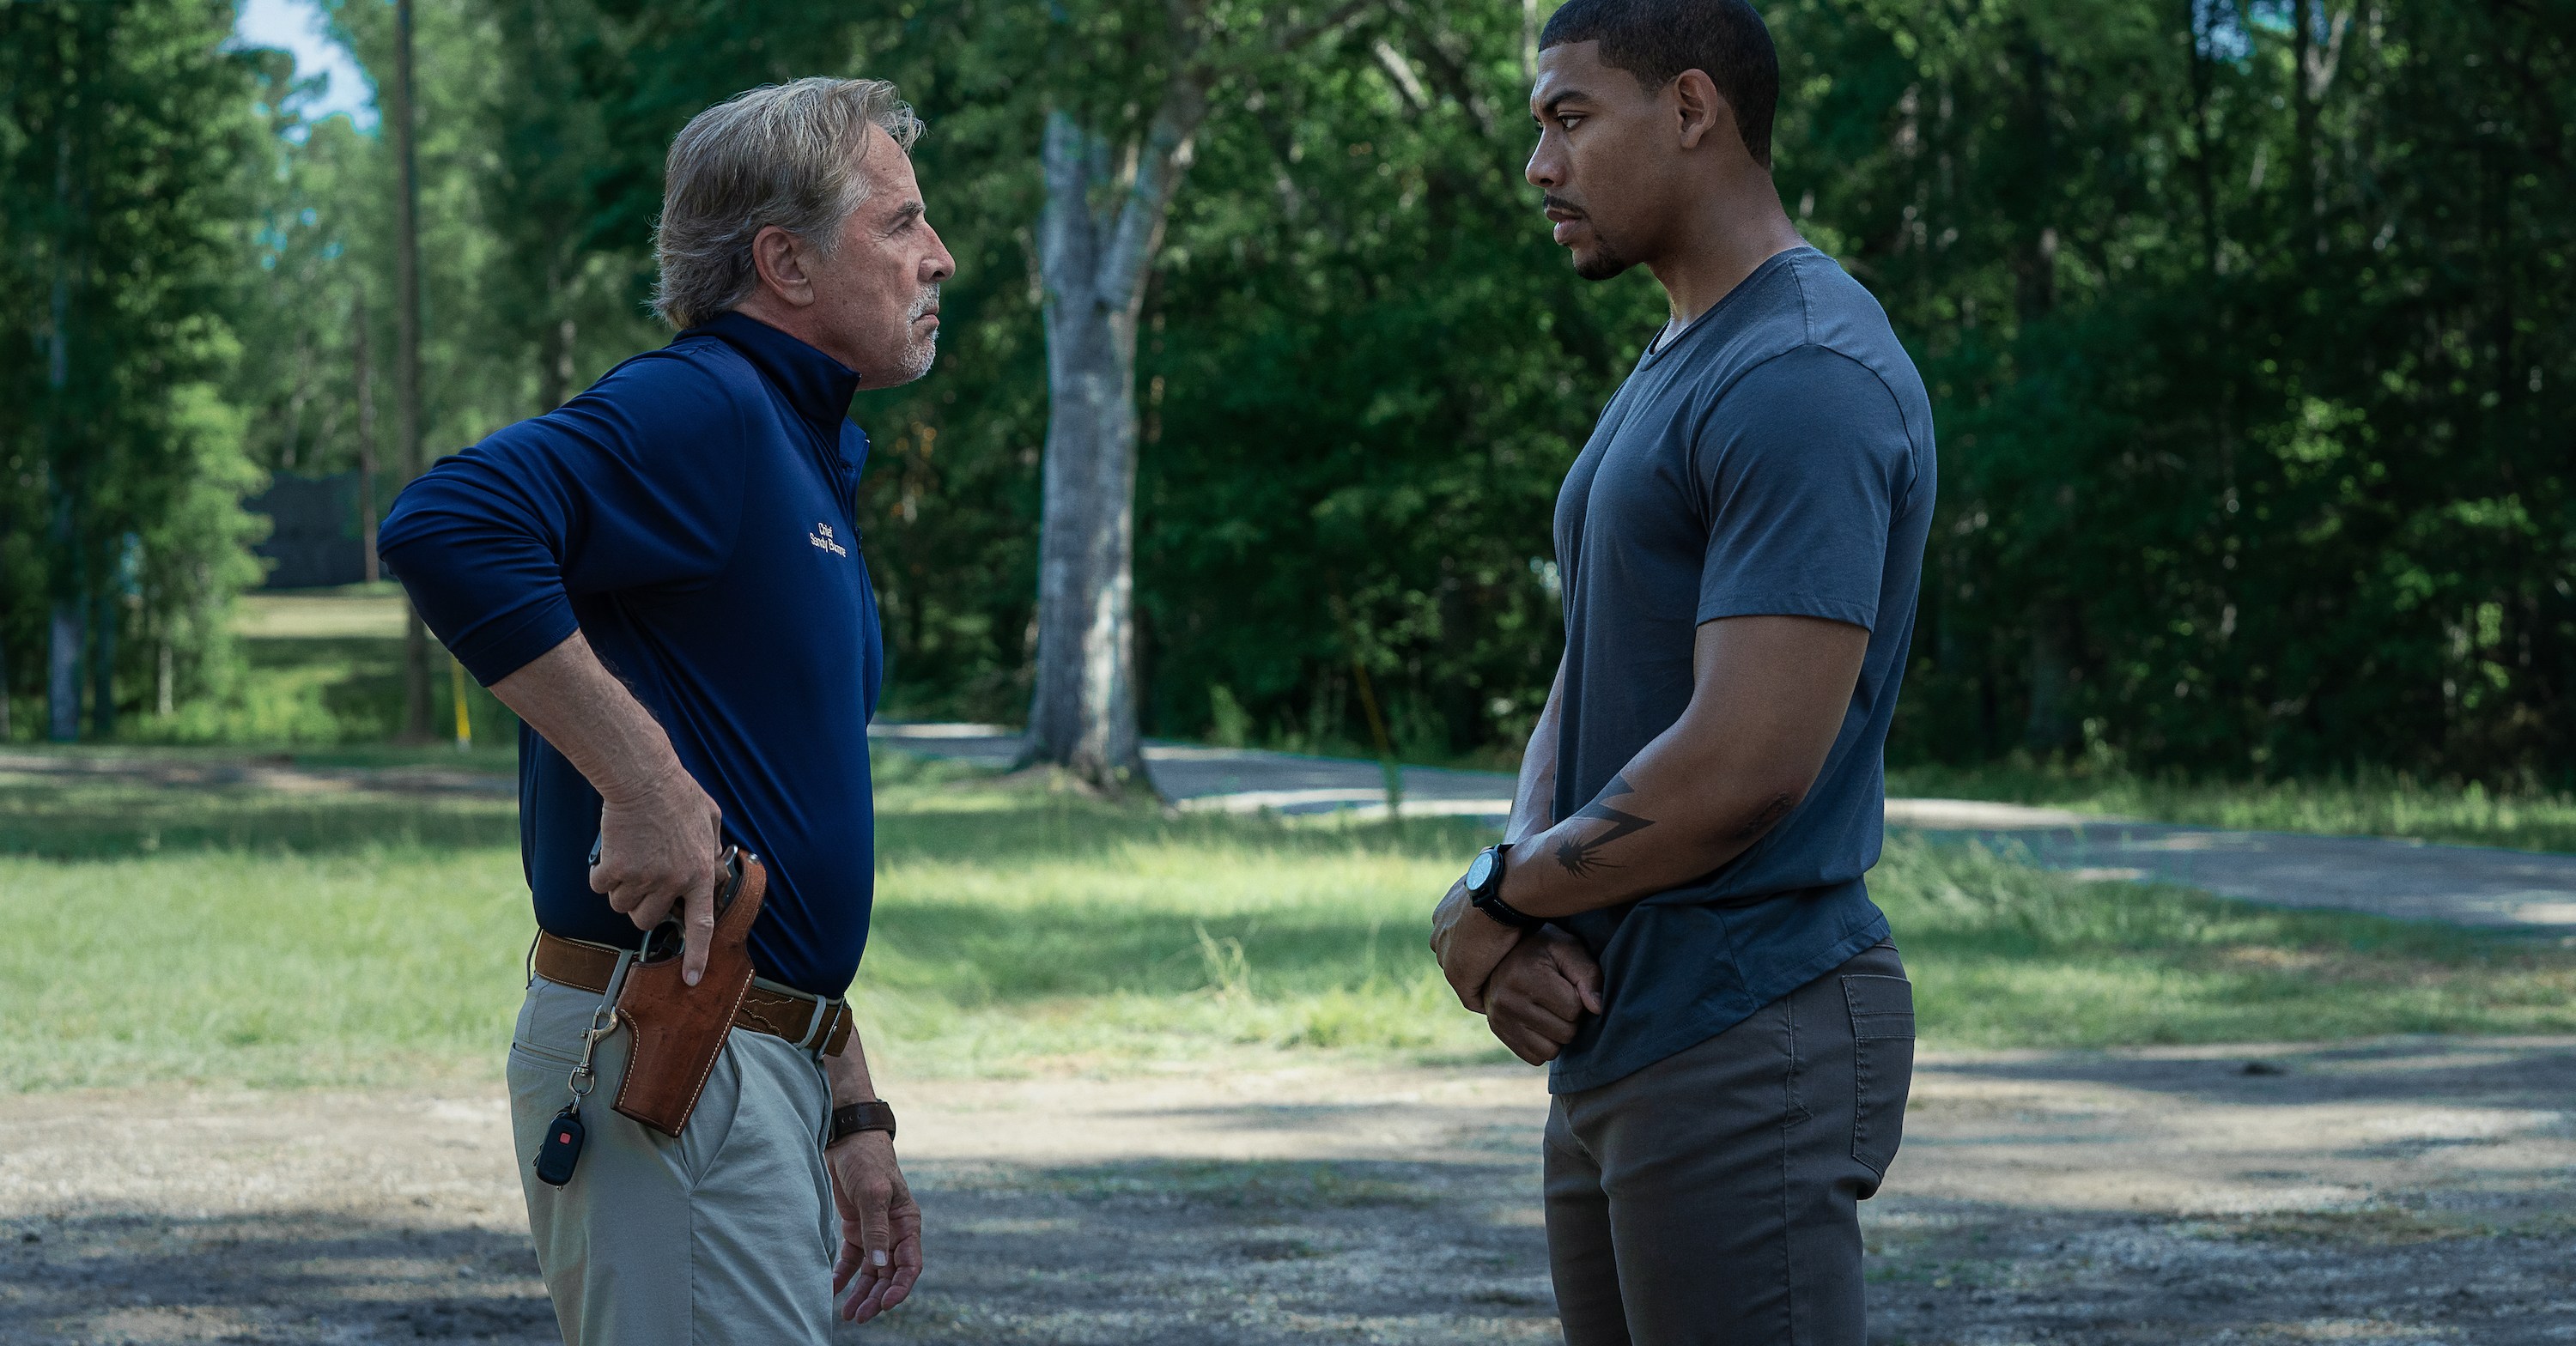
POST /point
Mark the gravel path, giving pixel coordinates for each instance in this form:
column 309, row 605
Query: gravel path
column 2401, row 1191
column 2409, row 880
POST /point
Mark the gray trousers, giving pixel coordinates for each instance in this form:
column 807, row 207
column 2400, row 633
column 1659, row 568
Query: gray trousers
column 723, row 1237
column 1711, row 1199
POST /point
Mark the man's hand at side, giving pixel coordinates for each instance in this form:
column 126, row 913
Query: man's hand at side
column 1469, row 944
column 880, row 1226
column 1540, row 993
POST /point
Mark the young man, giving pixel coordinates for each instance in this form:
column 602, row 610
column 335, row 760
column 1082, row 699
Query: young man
column 1680, row 922
column 664, row 580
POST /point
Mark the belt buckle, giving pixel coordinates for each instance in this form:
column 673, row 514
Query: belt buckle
column 822, row 1017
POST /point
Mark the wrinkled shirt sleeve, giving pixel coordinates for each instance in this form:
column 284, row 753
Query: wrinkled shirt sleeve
column 636, row 485
column 1799, row 481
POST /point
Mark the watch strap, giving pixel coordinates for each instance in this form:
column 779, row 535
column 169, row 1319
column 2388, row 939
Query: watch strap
column 1489, row 899
column 1492, row 904
column 849, row 1119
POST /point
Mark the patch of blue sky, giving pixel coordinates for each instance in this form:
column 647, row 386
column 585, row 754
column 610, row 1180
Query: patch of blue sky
column 298, row 27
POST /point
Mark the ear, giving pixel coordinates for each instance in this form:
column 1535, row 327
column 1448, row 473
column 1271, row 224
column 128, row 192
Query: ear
column 779, row 257
column 1703, row 111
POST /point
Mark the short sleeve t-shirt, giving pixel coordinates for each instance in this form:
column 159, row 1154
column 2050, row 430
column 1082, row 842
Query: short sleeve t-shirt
column 1773, row 458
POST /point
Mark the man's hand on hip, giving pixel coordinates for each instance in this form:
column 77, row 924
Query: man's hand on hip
column 880, row 1226
column 657, row 846
column 1540, row 993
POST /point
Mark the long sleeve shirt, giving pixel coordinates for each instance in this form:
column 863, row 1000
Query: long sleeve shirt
column 691, row 515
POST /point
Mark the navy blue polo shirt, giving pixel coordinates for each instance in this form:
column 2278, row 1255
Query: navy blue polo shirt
column 691, row 515
column 1775, row 458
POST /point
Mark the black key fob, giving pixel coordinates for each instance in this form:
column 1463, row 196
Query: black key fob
column 562, row 1148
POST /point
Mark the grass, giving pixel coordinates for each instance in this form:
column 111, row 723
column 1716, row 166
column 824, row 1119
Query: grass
column 232, row 937
column 2004, row 955
column 321, row 672
column 2370, row 803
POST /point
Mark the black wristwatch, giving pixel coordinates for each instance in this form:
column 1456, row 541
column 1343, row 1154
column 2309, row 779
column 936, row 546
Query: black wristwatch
column 850, row 1119
column 1485, row 890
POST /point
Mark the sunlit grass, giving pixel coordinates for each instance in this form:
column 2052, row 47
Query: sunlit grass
column 228, row 937
column 2382, row 804
column 319, row 668
column 357, row 610
column 2006, row 955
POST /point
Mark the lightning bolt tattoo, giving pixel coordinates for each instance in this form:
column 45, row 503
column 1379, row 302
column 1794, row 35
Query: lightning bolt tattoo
column 1582, row 857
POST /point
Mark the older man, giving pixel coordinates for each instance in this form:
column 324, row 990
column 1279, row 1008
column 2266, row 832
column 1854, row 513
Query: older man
column 664, row 578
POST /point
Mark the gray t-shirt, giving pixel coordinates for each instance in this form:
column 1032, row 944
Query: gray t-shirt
column 1774, row 458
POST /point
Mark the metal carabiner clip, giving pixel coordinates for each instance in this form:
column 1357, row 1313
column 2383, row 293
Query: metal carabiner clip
column 560, row 1152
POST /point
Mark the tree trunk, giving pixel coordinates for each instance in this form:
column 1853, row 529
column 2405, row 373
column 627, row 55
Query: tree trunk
column 2052, row 728
column 407, row 357
column 554, row 361
column 2303, row 118
column 364, row 375
column 62, row 659
column 1095, row 258
column 62, row 673
column 102, row 668
column 68, row 632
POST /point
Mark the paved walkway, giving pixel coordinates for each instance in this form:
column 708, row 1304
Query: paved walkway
column 2409, row 880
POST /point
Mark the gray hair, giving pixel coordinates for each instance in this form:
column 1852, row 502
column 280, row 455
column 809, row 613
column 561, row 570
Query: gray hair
column 782, row 154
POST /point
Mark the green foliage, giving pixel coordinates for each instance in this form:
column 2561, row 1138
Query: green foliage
column 1363, row 369
column 2248, row 349
column 130, row 155
column 2245, row 322
column 234, row 935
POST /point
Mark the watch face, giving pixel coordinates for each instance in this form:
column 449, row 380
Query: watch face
column 1481, row 871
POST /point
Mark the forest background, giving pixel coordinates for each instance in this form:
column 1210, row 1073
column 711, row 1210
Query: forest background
column 2250, row 327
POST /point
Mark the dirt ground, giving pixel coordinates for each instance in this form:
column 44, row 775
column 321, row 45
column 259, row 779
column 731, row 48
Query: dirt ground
column 2398, row 1191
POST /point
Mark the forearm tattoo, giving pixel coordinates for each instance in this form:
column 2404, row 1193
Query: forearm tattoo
column 1581, row 857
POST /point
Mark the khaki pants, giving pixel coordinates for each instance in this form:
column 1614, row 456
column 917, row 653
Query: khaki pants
column 1710, row 1198
column 723, row 1237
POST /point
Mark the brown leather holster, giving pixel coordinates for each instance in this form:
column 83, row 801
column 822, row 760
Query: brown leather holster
column 677, row 1030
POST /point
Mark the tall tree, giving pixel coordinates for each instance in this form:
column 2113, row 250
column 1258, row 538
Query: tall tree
column 2241, row 322
column 407, row 387
column 1109, row 190
column 69, row 630
column 126, row 137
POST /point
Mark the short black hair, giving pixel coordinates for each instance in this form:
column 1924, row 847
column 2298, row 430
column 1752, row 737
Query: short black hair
column 1656, row 40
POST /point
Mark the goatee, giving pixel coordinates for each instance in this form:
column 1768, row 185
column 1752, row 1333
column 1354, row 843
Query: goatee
column 1603, row 263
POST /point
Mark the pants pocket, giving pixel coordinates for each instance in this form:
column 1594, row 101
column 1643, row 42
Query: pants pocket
column 1882, row 1019
column 545, row 1055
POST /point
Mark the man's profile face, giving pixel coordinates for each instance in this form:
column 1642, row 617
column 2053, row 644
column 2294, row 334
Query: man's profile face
column 1602, row 145
column 878, row 293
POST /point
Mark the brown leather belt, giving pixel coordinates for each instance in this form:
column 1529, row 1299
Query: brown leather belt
column 808, row 1021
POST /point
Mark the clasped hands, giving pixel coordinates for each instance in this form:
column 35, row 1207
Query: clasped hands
column 1533, row 988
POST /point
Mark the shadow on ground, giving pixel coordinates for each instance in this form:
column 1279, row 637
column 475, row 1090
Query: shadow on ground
column 1182, row 1253
column 1137, row 1254
column 1984, row 1274
column 1262, row 1252
column 286, row 1277
column 2501, row 1072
